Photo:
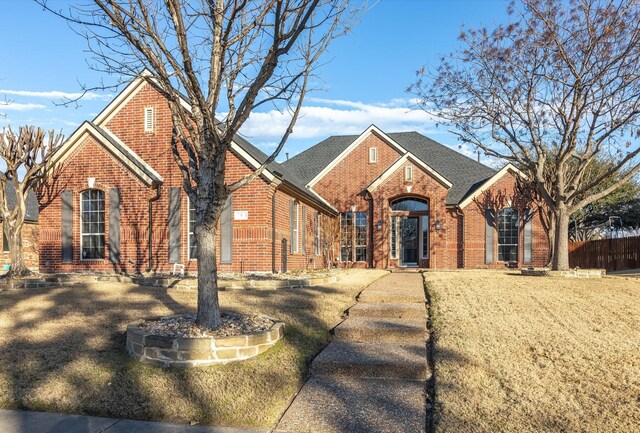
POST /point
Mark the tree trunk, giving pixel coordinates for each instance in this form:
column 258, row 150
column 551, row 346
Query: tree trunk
column 208, row 306
column 14, row 238
column 560, row 260
column 210, row 200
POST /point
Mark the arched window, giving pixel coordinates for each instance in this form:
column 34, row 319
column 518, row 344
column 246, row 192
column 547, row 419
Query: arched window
column 92, row 225
column 410, row 204
column 508, row 235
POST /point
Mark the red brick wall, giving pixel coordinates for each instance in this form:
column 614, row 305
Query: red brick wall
column 344, row 185
column 502, row 194
column 29, row 246
column 252, row 238
column 442, row 243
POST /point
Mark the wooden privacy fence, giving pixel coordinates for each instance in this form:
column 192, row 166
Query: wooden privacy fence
column 610, row 254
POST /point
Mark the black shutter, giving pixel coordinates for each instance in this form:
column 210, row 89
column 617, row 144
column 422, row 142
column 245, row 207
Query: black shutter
column 489, row 231
column 304, row 230
column 67, row 226
column 174, row 224
column 292, row 209
column 226, row 231
column 114, row 225
column 528, row 231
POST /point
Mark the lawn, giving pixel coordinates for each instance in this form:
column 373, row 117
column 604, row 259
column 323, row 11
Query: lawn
column 533, row 354
column 62, row 350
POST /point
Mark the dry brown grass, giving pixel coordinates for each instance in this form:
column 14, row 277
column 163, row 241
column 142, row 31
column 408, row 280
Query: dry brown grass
column 62, row 350
column 532, row 354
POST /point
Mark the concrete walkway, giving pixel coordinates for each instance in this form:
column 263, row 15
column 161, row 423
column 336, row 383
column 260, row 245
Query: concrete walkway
column 372, row 377
column 19, row 421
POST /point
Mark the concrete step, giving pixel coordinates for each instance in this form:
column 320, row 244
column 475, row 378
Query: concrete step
column 373, row 359
column 399, row 310
column 338, row 404
column 392, row 296
column 363, row 329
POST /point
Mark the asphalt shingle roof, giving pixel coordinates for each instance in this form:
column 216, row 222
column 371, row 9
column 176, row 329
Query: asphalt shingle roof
column 464, row 173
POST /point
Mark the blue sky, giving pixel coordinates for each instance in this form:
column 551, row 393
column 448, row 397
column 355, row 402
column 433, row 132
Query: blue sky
column 365, row 82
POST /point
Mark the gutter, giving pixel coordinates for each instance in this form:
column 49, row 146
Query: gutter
column 150, row 228
column 461, row 215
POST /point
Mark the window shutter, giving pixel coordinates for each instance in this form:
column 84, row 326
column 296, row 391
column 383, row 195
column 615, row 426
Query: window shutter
column 304, row 230
column 67, row 226
column 292, row 210
column 528, row 230
column 489, row 233
column 174, row 224
column 114, row 225
column 226, row 231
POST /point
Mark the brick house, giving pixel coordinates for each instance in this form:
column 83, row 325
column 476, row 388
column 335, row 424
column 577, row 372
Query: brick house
column 116, row 202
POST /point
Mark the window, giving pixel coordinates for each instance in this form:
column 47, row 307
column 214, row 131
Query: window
column 508, row 235
column 148, row 119
column 408, row 173
column 316, row 234
column 294, row 225
column 5, row 243
column 360, row 237
column 193, row 242
column 92, row 225
column 353, row 236
column 394, row 237
column 346, row 236
column 373, row 155
column 410, row 205
column 425, row 236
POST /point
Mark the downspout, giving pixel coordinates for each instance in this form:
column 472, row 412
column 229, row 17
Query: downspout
column 273, row 229
column 460, row 214
column 150, row 229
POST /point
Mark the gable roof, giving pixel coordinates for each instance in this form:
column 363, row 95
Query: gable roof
column 487, row 184
column 465, row 174
column 399, row 163
column 240, row 146
column 132, row 160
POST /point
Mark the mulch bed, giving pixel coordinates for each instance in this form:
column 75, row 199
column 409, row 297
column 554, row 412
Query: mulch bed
column 185, row 326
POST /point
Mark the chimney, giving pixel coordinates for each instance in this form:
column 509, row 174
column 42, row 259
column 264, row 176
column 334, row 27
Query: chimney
column 287, row 155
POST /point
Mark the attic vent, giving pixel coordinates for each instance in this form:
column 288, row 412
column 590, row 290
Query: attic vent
column 408, row 173
column 373, row 155
column 148, row 119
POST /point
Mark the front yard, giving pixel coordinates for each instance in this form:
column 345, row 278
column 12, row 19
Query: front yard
column 62, row 350
column 532, row 354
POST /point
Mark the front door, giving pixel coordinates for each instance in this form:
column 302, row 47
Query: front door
column 409, row 241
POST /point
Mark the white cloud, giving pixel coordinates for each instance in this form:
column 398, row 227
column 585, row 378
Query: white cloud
column 17, row 106
column 327, row 117
column 56, row 94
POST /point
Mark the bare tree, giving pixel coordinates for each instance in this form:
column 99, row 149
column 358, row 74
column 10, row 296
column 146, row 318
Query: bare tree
column 552, row 92
column 228, row 58
column 25, row 155
column 330, row 240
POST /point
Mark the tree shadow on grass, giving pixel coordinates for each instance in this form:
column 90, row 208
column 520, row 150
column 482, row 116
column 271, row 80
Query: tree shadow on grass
column 63, row 350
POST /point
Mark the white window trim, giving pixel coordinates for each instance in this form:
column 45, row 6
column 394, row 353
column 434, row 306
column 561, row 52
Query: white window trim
column 296, row 227
column 408, row 173
column 373, row 155
column 497, row 232
column 422, row 246
column 189, row 232
column 88, row 234
column 149, row 119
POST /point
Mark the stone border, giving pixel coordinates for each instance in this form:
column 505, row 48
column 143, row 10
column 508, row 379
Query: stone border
column 192, row 283
column 166, row 351
column 573, row 273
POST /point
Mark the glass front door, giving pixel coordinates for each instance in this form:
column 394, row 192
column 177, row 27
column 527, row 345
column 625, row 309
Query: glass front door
column 409, row 241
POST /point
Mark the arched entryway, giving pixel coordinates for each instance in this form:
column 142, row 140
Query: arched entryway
column 410, row 231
